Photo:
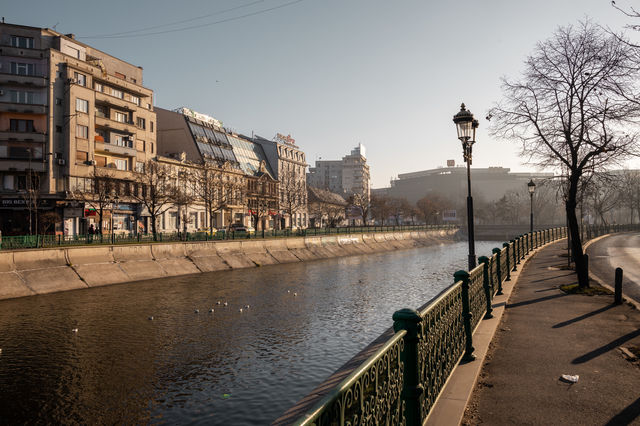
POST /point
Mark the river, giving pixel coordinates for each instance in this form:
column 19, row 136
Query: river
column 96, row 357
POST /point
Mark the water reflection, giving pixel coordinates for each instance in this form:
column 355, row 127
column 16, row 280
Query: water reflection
column 226, row 367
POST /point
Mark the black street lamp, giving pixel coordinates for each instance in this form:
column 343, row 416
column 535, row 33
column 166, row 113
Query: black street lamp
column 532, row 188
column 466, row 126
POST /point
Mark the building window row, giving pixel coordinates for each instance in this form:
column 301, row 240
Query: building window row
column 23, row 42
column 18, row 125
column 22, row 97
column 20, row 68
column 116, row 93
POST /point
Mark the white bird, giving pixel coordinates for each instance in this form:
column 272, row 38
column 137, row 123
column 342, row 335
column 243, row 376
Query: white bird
column 150, row 318
column 225, row 304
column 240, row 310
column 247, row 307
column 288, row 291
column 295, row 294
column 218, row 302
column 197, row 311
column 75, row 330
column 211, row 310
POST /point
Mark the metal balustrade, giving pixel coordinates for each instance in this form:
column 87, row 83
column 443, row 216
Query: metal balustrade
column 435, row 341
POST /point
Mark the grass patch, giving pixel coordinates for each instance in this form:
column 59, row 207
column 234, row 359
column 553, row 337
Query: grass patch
column 592, row 290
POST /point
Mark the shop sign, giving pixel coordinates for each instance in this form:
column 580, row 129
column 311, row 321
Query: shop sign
column 24, row 203
column 285, row 139
column 90, row 212
column 72, row 212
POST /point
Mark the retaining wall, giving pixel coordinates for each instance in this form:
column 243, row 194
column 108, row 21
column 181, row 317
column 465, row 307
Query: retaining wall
column 40, row 271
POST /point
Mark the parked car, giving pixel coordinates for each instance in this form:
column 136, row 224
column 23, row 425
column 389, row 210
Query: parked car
column 237, row 227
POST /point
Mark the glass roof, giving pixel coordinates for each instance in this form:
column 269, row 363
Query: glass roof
column 249, row 155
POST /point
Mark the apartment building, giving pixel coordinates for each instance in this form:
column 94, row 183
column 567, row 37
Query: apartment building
column 68, row 113
column 348, row 176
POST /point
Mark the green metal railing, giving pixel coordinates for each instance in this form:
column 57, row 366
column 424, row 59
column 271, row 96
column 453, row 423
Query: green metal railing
column 43, row 241
column 400, row 383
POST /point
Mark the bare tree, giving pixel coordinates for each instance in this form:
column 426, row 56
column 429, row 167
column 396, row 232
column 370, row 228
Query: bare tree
column 380, row 208
column 360, row 202
column 293, row 193
column 431, row 207
column 154, row 191
column 99, row 195
column 574, row 108
column 217, row 188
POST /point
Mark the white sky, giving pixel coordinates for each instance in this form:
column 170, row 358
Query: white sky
column 332, row 73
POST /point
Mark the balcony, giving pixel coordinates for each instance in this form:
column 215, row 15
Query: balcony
column 23, row 136
column 23, row 108
column 21, row 165
column 23, row 80
column 114, row 149
column 103, row 98
column 116, row 125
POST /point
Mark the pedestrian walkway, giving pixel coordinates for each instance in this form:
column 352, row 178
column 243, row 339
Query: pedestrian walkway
column 544, row 334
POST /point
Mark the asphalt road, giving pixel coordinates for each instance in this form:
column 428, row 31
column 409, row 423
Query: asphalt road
column 618, row 250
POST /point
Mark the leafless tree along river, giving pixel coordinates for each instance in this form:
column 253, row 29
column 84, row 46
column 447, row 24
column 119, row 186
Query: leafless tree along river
column 95, row 356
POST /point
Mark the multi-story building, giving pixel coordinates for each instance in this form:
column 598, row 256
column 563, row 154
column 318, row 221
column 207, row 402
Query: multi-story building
column 346, row 177
column 289, row 166
column 198, row 139
column 68, row 113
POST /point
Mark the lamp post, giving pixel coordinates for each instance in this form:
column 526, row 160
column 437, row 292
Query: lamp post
column 532, row 188
column 466, row 126
column 114, row 203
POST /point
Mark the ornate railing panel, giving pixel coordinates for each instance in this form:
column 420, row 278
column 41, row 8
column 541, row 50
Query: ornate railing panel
column 370, row 395
column 442, row 344
column 477, row 301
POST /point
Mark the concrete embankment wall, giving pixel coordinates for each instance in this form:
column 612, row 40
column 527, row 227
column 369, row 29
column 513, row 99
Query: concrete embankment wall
column 40, row 271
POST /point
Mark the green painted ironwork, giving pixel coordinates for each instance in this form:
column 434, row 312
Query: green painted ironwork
column 400, row 383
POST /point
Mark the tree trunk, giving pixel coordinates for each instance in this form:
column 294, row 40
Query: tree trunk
column 153, row 227
column 574, row 231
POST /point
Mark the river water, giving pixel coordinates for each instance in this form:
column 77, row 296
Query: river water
column 228, row 367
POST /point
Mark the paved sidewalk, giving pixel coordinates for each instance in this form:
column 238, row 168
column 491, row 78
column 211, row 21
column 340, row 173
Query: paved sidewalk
column 545, row 333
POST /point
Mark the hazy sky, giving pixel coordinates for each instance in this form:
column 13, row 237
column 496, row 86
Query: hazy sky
column 332, row 73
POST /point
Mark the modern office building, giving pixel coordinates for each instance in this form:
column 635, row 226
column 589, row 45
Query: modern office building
column 67, row 113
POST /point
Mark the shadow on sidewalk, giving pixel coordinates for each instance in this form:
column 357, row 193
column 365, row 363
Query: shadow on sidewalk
column 552, row 278
column 529, row 302
column 582, row 317
column 627, row 415
column 606, row 348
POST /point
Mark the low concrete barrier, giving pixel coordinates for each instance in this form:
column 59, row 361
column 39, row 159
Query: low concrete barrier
column 39, row 271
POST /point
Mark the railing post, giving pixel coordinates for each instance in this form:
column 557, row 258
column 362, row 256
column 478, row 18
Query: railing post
column 618, row 287
column 466, row 315
column 411, row 321
column 486, row 285
column 515, row 257
column 497, row 251
column 508, row 277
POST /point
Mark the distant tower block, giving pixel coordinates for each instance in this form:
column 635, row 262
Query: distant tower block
column 451, row 163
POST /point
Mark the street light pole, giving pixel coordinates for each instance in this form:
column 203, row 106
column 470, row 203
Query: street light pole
column 532, row 188
column 466, row 126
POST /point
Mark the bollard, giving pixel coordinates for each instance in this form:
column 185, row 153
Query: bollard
column 513, row 251
column 411, row 321
column 486, row 285
column 586, row 264
column 618, row 289
column 499, row 269
column 466, row 315
column 508, row 277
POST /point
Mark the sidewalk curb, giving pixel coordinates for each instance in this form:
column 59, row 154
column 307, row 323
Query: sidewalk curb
column 450, row 406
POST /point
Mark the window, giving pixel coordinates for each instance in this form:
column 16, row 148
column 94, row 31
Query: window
column 58, row 101
column 140, row 145
column 120, row 164
column 139, row 167
column 152, row 147
column 19, row 41
column 135, row 100
column 141, row 123
column 82, row 131
column 82, row 105
column 117, row 93
column 22, row 97
column 102, row 111
column 98, row 87
column 23, row 69
column 101, row 136
column 82, row 156
column 21, row 125
column 121, row 140
column 120, row 117
column 120, row 75
column 80, row 79
column 151, row 126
